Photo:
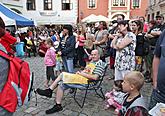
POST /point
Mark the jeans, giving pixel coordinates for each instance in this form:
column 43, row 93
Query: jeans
column 153, row 100
column 68, row 64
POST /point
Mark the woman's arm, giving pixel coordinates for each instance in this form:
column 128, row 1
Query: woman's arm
column 126, row 41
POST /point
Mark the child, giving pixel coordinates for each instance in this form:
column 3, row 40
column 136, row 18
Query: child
column 50, row 61
column 115, row 97
column 59, row 64
column 88, row 47
column 133, row 104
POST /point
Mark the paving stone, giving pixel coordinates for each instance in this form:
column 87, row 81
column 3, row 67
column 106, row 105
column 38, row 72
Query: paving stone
column 30, row 109
column 27, row 115
column 41, row 113
column 94, row 106
column 73, row 114
column 35, row 111
column 83, row 114
column 67, row 112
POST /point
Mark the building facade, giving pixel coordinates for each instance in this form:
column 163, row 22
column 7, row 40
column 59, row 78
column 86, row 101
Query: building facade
column 155, row 7
column 88, row 7
column 51, row 12
column 138, row 8
column 46, row 12
column 131, row 9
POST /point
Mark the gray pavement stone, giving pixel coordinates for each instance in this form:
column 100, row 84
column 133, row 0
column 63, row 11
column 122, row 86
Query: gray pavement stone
column 83, row 114
column 94, row 106
column 30, row 109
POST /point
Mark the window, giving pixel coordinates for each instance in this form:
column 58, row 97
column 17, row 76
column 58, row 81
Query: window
column 66, row 5
column 122, row 2
column 136, row 3
column 30, row 5
column 118, row 2
column 91, row 3
column 148, row 17
column 158, row 13
column 115, row 2
column 153, row 16
column 47, row 4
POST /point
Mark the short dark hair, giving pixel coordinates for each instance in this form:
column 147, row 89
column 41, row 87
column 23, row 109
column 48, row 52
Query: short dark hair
column 138, row 23
column 153, row 22
column 142, row 18
column 104, row 24
column 124, row 22
column 159, row 16
column 2, row 24
column 69, row 28
column 122, row 16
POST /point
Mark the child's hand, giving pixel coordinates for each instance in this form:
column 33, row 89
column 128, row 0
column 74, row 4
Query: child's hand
column 59, row 52
column 78, row 72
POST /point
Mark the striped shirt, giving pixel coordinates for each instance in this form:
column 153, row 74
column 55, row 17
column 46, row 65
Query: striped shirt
column 100, row 68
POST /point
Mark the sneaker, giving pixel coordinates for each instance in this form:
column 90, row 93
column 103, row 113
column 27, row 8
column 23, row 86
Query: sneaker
column 72, row 90
column 56, row 108
column 148, row 80
column 46, row 92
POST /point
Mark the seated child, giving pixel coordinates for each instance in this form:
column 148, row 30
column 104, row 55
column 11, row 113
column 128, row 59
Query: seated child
column 115, row 97
column 133, row 104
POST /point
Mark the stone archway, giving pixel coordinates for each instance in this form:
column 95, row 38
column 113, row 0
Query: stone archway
column 114, row 15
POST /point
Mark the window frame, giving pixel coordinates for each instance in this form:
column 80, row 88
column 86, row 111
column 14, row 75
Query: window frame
column 64, row 4
column 33, row 4
column 122, row 3
column 136, row 6
column 119, row 3
column 92, row 1
column 48, row 2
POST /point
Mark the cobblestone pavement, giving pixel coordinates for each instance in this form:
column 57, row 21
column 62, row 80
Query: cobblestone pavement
column 94, row 106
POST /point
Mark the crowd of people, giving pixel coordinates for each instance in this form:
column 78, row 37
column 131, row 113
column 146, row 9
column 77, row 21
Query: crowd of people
column 136, row 55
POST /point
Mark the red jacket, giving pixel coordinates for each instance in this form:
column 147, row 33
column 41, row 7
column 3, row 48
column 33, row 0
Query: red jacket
column 7, row 40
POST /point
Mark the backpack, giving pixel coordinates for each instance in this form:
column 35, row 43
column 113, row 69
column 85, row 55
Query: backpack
column 142, row 45
column 18, row 87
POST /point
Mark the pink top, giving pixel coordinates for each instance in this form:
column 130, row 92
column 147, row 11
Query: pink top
column 81, row 42
column 50, row 57
column 145, row 27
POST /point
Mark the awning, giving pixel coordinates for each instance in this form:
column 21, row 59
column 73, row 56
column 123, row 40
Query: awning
column 7, row 20
column 18, row 19
column 93, row 18
column 89, row 18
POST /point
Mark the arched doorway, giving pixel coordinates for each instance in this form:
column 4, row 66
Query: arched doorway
column 114, row 15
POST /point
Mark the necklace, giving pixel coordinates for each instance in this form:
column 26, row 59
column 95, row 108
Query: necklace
column 132, row 97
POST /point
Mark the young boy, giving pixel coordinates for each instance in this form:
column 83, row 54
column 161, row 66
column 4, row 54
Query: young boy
column 133, row 104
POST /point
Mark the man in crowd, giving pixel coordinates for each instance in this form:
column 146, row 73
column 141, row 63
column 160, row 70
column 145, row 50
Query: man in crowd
column 92, row 71
column 158, row 93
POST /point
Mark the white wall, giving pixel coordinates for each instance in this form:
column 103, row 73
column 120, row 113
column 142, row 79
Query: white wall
column 55, row 16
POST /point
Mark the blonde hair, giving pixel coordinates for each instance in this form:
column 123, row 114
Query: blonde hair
column 83, row 28
column 89, row 36
column 49, row 41
column 136, row 78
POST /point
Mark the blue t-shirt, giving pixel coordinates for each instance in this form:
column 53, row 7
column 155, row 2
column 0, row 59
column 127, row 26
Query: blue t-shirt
column 53, row 37
column 160, row 53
